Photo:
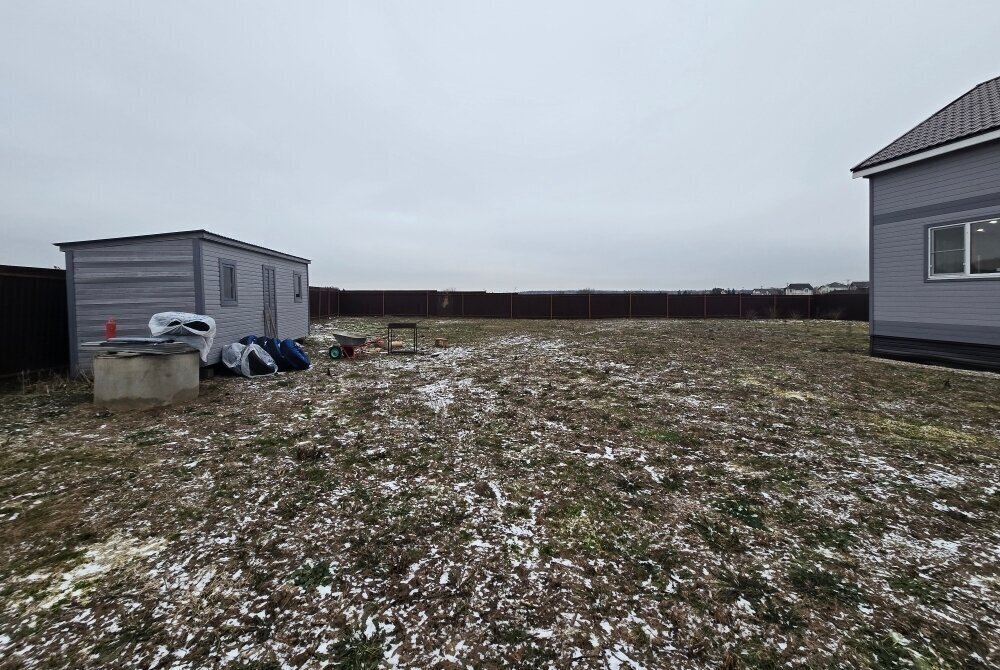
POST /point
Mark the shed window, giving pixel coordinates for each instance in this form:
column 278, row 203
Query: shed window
column 227, row 282
column 964, row 250
column 297, row 286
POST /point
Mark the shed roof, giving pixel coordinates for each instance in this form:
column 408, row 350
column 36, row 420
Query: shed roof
column 180, row 235
column 973, row 114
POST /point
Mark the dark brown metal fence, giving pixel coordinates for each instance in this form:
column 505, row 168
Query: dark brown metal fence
column 327, row 302
column 35, row 336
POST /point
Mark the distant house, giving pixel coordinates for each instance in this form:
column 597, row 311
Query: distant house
column 832, row 287
column 799, row 289
column 767, row 291
column 934, row 225
column 247, row 289
column 858, row 287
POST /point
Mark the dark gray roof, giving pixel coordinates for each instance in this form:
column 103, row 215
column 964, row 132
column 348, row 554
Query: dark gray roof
column 974, row 113
column 183, row 234
column 799, row 287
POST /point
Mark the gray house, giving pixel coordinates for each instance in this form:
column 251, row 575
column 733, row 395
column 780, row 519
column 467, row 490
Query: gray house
column 247, row 289
column 934, row 220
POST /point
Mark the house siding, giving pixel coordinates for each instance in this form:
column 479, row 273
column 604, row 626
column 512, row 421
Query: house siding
column 128, row 283
column 968, row 173
column 955, row 187
column 247, row 316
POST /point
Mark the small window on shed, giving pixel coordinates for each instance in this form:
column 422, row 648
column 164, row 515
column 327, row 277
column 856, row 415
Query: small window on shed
column 297, row 286
column 227, row 282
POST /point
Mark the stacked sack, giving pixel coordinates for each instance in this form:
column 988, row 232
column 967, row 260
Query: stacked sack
column 248, row 360
column 287, row 354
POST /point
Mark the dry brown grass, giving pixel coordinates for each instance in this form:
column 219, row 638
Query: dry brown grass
column 542, row 494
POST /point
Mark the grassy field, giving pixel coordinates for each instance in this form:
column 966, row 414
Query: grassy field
column 617, row 494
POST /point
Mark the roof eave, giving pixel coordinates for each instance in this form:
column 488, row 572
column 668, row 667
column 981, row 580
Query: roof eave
column 963, row 143
column 180, row 235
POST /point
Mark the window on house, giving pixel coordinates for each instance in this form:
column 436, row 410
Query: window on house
column 984, row 247
column 965, row 250
column 227, row 282
column 297, row 286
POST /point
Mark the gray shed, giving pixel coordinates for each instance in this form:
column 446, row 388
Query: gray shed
column 247, row 289
column 934, row 224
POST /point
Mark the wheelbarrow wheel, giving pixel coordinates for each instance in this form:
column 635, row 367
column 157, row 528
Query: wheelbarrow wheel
column 336, row 352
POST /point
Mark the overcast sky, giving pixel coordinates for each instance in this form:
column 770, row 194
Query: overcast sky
column 476, row 145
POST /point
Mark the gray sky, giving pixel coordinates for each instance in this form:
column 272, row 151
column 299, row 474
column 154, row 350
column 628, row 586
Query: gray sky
column 476, row 145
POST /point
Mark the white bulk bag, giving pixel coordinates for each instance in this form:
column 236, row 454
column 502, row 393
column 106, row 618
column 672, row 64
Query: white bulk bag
column 248, row 360
column 196, row 330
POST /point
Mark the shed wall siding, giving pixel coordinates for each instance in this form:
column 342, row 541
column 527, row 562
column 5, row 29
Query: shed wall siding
column 247, row 316
column 905, row 304
column 128, row 283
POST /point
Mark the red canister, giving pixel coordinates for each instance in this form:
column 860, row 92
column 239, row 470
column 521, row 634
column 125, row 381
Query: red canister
column 110, row 328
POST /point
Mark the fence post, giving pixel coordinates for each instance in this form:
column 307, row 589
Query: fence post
column 550, row 306
column 512, row 305
column 741, row 305
column 704, row 305
column 630, row 304
column 383, row 303
column 463, row 304
column 589, row 314
column 666, row 304
column 809, row 306
column 775, row 308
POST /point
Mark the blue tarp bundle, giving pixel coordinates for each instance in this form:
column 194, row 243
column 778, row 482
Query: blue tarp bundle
column 287, row 354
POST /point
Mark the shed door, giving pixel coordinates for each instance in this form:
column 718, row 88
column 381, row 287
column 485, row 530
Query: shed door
column 270, row 303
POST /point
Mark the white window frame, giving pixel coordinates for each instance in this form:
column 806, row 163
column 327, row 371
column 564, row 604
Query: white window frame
column 297, row 286
column 967, row 261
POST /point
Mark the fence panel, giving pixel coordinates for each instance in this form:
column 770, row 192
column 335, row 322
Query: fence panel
column 609, row 305
column 532, row 306
column 407, row 303
column 686, row 306
column 844, row 306
column 649, row 305
column 485, row 305
column 36, row 333
column 724, row 306
column 794, row 306
column 362, row 303
column 326, row 302
column 569, row 305
column 759, row 306
column 446, row 303
column 315, row 298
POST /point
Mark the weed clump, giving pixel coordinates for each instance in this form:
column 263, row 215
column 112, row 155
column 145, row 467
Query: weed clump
column 311, row 576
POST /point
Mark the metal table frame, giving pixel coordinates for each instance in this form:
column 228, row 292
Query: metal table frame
column 401, row 326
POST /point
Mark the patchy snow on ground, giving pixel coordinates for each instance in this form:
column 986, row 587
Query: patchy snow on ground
column 600, row 494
